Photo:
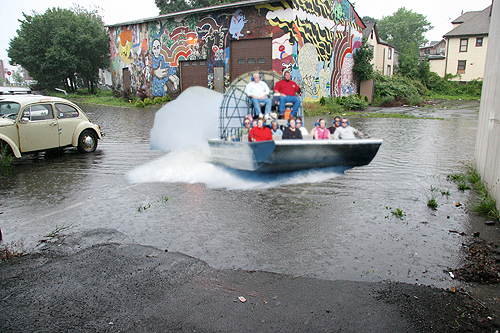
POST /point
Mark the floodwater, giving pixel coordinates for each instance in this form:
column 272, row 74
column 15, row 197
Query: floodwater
column 331, row 224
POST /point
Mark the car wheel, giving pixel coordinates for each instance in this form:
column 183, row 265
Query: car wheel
column 87, row 142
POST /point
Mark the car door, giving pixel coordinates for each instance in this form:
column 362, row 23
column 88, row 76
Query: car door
column 67, row 119
column 38, row 128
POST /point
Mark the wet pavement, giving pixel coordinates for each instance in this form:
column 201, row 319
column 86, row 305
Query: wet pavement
column 329, row 224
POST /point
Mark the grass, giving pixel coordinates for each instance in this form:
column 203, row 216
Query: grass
column 432, row 203
column 399, row 213
column 470, row 179
column 12, row 250
column 5, row 160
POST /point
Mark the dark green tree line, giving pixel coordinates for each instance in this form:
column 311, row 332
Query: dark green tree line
column 62, row 47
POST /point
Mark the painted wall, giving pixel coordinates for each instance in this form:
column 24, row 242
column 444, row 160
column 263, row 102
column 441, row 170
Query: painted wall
column 437, row 65
column 475, row 57
column 488, row 128
column 314, row 39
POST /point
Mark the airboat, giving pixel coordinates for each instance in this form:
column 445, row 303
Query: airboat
column 278, row 155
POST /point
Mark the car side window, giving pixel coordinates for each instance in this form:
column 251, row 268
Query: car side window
column 66, row 111
column 9, row 109
column 38, row 112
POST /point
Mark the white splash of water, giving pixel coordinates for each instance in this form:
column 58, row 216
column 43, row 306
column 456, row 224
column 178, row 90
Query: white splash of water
column 189, row 120
column 183, row 127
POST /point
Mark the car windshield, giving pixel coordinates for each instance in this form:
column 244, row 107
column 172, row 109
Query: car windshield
column 9, row 109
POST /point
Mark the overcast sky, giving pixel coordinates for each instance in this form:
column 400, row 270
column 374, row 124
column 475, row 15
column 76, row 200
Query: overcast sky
column 439, row 12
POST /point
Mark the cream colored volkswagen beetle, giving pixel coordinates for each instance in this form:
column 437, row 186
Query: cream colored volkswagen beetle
column 32, row 123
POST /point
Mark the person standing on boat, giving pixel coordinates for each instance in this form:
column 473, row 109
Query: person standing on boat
column 288, row 90
column 322, row 132
column 302, row 129
column 345, row 131
column 292, row 132
column 260, row 133
column 258, row 92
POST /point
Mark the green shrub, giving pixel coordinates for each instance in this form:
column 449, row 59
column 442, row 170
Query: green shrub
column 353, row 102
column 139, row 104
column 166, row 98
column 158, row 100
column 322, row 100
column 147, row 101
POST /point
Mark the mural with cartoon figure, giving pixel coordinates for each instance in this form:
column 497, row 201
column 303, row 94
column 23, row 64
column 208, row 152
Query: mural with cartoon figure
column 314, row 39
column 162, row 72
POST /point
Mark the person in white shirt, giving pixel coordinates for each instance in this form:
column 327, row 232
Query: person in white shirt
column 345, row 131
column 258, row 92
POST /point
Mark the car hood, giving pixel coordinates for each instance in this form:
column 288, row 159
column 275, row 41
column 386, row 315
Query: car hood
column 6, row 121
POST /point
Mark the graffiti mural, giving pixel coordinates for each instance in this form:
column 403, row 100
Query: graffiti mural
column 314, row 39
column 326, row 26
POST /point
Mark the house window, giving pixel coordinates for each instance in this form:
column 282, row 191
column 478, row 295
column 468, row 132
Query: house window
column 463, row 44
column 389, row 70
column 479, row 41
column 389, row 54
column 461, row 66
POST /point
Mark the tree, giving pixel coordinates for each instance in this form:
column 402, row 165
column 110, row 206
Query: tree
column 61, row 46
column 174, row 6
column 17, row 77
column 404, row 29
column 362, row 68
column 367, row 19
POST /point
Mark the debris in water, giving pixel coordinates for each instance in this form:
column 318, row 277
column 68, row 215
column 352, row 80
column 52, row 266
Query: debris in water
column 489, row 222
column 242, row 299
column 458, row 204
column 452, row 275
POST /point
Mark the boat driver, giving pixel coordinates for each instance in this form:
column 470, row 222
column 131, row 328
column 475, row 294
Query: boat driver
column 258, row 92
column 287, row 91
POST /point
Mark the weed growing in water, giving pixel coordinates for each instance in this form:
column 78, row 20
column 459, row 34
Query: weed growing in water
column 142, row 208
column 399, row 213
column 55, row 234
column 462, row 186
column 432, row 203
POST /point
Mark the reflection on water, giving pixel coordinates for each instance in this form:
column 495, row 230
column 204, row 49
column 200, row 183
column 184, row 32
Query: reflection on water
column 331, row 223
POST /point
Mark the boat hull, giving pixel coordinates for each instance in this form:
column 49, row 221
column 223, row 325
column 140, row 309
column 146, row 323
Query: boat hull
column 292, row 155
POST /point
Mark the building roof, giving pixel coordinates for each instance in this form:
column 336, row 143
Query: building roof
column 194, row 11
column 432, row 44
column 368, row 30
column 239, row 4
column 477, row 23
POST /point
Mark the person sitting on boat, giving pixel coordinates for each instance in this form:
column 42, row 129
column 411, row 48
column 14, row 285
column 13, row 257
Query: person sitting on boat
column 336, row 124
column 258, row 92
column 275, row 130
column 244, row 130
column 321, row 131
column 345, row 131
column 260, row 133
column 287, row 90
column 292, row 132
column 298, row 125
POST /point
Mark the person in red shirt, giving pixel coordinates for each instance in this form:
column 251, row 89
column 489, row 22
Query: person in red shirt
column 260, row 133
column 287, row 90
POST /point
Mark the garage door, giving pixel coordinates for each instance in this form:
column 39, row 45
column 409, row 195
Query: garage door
column 193, row 73
column 250, row 55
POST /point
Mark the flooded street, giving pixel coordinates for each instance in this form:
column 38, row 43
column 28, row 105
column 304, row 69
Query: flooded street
column 329, row 224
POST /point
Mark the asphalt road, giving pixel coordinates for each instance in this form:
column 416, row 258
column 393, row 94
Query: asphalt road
column 102, row 281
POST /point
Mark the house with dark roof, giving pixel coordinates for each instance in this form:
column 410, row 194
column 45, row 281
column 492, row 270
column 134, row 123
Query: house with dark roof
column 466, row 46
column 384, row 54
column 210, row 47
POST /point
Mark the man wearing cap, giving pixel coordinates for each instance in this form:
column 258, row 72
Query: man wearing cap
column 258, row 92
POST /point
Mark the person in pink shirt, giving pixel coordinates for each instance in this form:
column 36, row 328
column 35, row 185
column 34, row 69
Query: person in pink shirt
column 321, row 131
column 288, row 90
